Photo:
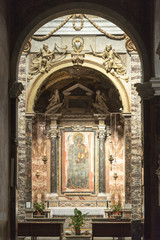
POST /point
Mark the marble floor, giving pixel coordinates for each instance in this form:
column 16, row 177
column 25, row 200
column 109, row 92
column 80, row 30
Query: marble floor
column 96, row 238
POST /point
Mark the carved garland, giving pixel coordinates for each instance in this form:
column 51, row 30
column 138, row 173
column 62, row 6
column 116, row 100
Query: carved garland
column 79, row 16
column 102, row 31
column 55, row 30
column 78, row 28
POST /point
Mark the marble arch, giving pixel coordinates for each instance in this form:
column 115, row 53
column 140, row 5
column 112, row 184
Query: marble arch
column 38, row 82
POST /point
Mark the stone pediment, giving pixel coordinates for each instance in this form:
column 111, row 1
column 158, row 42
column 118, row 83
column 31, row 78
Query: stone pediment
column 70, row 90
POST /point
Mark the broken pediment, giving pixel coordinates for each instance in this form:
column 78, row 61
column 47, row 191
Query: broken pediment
column 77, row 98
column 79, row 89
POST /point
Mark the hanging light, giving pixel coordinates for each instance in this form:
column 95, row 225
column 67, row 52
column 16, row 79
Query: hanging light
column 111, row 159
column 115, row 176
column 37, row 174
column 45, row 159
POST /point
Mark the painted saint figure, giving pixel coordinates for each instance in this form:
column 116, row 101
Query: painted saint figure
column 78, row 168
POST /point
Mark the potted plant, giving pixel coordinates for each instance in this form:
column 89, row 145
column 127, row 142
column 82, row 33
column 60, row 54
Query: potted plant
column 39, row 208
column 77, row 221
column 116, row 208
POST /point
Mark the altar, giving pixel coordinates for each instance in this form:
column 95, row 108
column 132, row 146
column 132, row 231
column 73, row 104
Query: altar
column 59, row 211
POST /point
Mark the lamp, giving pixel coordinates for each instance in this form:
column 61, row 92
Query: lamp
column 111, row 159
column 115, row 176
column 45, row 159
column 37, row 174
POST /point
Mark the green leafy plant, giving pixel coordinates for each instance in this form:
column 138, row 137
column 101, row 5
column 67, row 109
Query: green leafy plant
column 116, row 207
column 39, row 207
column 78, row 220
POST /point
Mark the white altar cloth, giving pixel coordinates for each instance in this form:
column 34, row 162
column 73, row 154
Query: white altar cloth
column 65, row 211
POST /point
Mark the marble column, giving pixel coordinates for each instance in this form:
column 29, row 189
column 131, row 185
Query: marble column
column 53, row 159
column 28, row 193
column 54, row 167
column 21, row 168
column 136, row 150
column 127, row 135
column 102, row 135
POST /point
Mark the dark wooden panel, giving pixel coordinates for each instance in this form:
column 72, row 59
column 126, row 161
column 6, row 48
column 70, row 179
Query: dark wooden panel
column 40, row 229
column 111, row 229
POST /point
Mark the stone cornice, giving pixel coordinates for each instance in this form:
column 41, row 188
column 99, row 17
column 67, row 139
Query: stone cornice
column 155, row 82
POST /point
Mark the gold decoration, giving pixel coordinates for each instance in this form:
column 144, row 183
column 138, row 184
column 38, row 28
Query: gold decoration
column 130, row 45
column 77, row 44
column 80, row 16
column 102, row 31
column 27, row 46
column 53, row 31
column 77, row 16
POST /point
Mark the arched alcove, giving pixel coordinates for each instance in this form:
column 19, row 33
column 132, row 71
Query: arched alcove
column 40, row 80
column 80, row 108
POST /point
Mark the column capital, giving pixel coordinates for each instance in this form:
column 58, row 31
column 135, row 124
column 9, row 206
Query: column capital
column 126, row 115
column 145, row 90
column 102, row 131
column 53, row 131
column 29, row 116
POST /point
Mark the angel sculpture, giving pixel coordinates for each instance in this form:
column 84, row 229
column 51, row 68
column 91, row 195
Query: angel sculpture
column 100, row 102
column 112, row 62
column 43, row 60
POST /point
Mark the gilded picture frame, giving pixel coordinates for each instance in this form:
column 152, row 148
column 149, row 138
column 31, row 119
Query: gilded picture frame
column 77, row 162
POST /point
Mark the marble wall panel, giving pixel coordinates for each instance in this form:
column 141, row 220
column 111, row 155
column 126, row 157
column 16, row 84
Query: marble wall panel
column 22, row 141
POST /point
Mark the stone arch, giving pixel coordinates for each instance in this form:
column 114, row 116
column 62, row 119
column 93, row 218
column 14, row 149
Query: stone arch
column 59, row 9
column 41, row 78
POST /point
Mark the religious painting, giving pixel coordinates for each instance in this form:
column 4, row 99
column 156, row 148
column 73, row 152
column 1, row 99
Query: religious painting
column 78, row 162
